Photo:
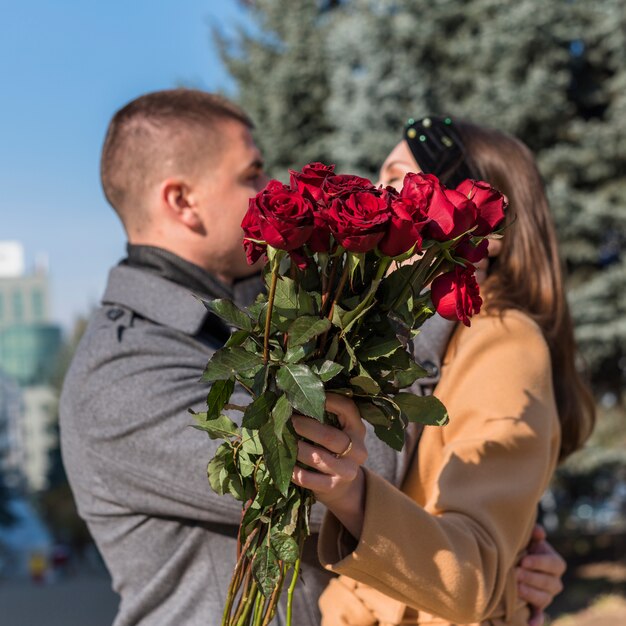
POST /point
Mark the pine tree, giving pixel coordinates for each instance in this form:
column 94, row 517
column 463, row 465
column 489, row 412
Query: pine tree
column 338, row 84
column 282, row 81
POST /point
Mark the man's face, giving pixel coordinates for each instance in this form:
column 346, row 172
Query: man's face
column 223, row 193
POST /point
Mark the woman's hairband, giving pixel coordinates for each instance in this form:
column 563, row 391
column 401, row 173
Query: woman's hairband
column 438, row 149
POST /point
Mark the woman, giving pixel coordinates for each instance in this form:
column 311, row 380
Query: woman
column 445, row 550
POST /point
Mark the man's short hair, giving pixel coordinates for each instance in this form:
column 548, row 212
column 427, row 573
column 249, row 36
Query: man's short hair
column 158, row 134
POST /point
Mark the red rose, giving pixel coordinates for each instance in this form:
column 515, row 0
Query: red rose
column 359, row 221
column 403, row 228
column 456, row 295
column 341, row 185
column 310, row 181
column 284, row 216
column 252, row 230
column 319, row 241
column 419, row 189
column 471, row 252
column 490, row 203
column 450, row 214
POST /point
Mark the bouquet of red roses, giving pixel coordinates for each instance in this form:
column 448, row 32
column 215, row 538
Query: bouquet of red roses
column 348, row 269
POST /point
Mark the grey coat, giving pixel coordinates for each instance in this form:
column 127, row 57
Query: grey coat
column 138, row 471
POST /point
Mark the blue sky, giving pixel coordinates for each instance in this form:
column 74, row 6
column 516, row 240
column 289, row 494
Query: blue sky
column 65, row 67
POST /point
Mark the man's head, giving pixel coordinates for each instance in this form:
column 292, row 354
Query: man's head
column 178, row 167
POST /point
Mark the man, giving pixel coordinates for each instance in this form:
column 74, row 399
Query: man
column 178, row 167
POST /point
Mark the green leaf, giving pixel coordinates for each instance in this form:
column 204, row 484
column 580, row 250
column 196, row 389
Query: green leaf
column 372, row 413
column 288, row 520
column 221, row 427
column 217, row 470
column 350, row 317
column 284, row 546
column 351, row 355
column 227, row 362
column 365, row 382
column 303, row 388
column 327, row 370
column 306, row 328
column 280, row 415
column 378, row 347
column 427, row 410
column 392, row 435
column 306, row 303
column 286, row 298
column 331, row 354
column 237, row 338
column 297, row 354
column 266, row 569
column 258, row 412
column 250, row 441
column 267, row 494
column 392, row 285
column 280, row 454
column 245, row 464
column 229, row 313
column 219, row 395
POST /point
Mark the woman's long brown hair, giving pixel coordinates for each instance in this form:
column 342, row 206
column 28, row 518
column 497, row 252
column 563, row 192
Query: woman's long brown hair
column 527, row 274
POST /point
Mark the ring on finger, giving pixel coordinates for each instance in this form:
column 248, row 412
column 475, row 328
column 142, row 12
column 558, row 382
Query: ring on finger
column 339, row 455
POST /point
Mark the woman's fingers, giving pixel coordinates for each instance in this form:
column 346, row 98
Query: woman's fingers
column 348, row 415
column 323, row 461
column 331, row 438
column 536, row 588
column 544, row 558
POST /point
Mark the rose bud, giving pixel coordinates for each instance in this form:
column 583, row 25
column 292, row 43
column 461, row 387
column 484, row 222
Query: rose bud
column 359, row 221
column 456, row 295
column 310, row 181
column 490, row 203
column 285, row 216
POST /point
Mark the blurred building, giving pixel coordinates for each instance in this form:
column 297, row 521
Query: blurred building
column 12, row 457
column 30, row 346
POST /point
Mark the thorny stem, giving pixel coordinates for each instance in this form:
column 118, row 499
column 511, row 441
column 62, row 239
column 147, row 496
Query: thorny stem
column 268, row 317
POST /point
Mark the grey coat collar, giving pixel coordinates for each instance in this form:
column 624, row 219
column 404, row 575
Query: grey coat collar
column 155, row 298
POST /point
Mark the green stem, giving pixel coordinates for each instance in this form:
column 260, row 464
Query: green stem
column 259, row 605
column 342, row 284
column 328, row 282
column 268, row 317
column 249, row 600
column 292, row 585
column 242, row 605
column 236, row 580
column 421, row 269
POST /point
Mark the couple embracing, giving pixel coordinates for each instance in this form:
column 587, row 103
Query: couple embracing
column 441, row 533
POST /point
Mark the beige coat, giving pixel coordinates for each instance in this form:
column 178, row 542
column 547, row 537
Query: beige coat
column 447, row 545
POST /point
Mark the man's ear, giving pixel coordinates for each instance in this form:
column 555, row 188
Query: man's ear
column 179, row 202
